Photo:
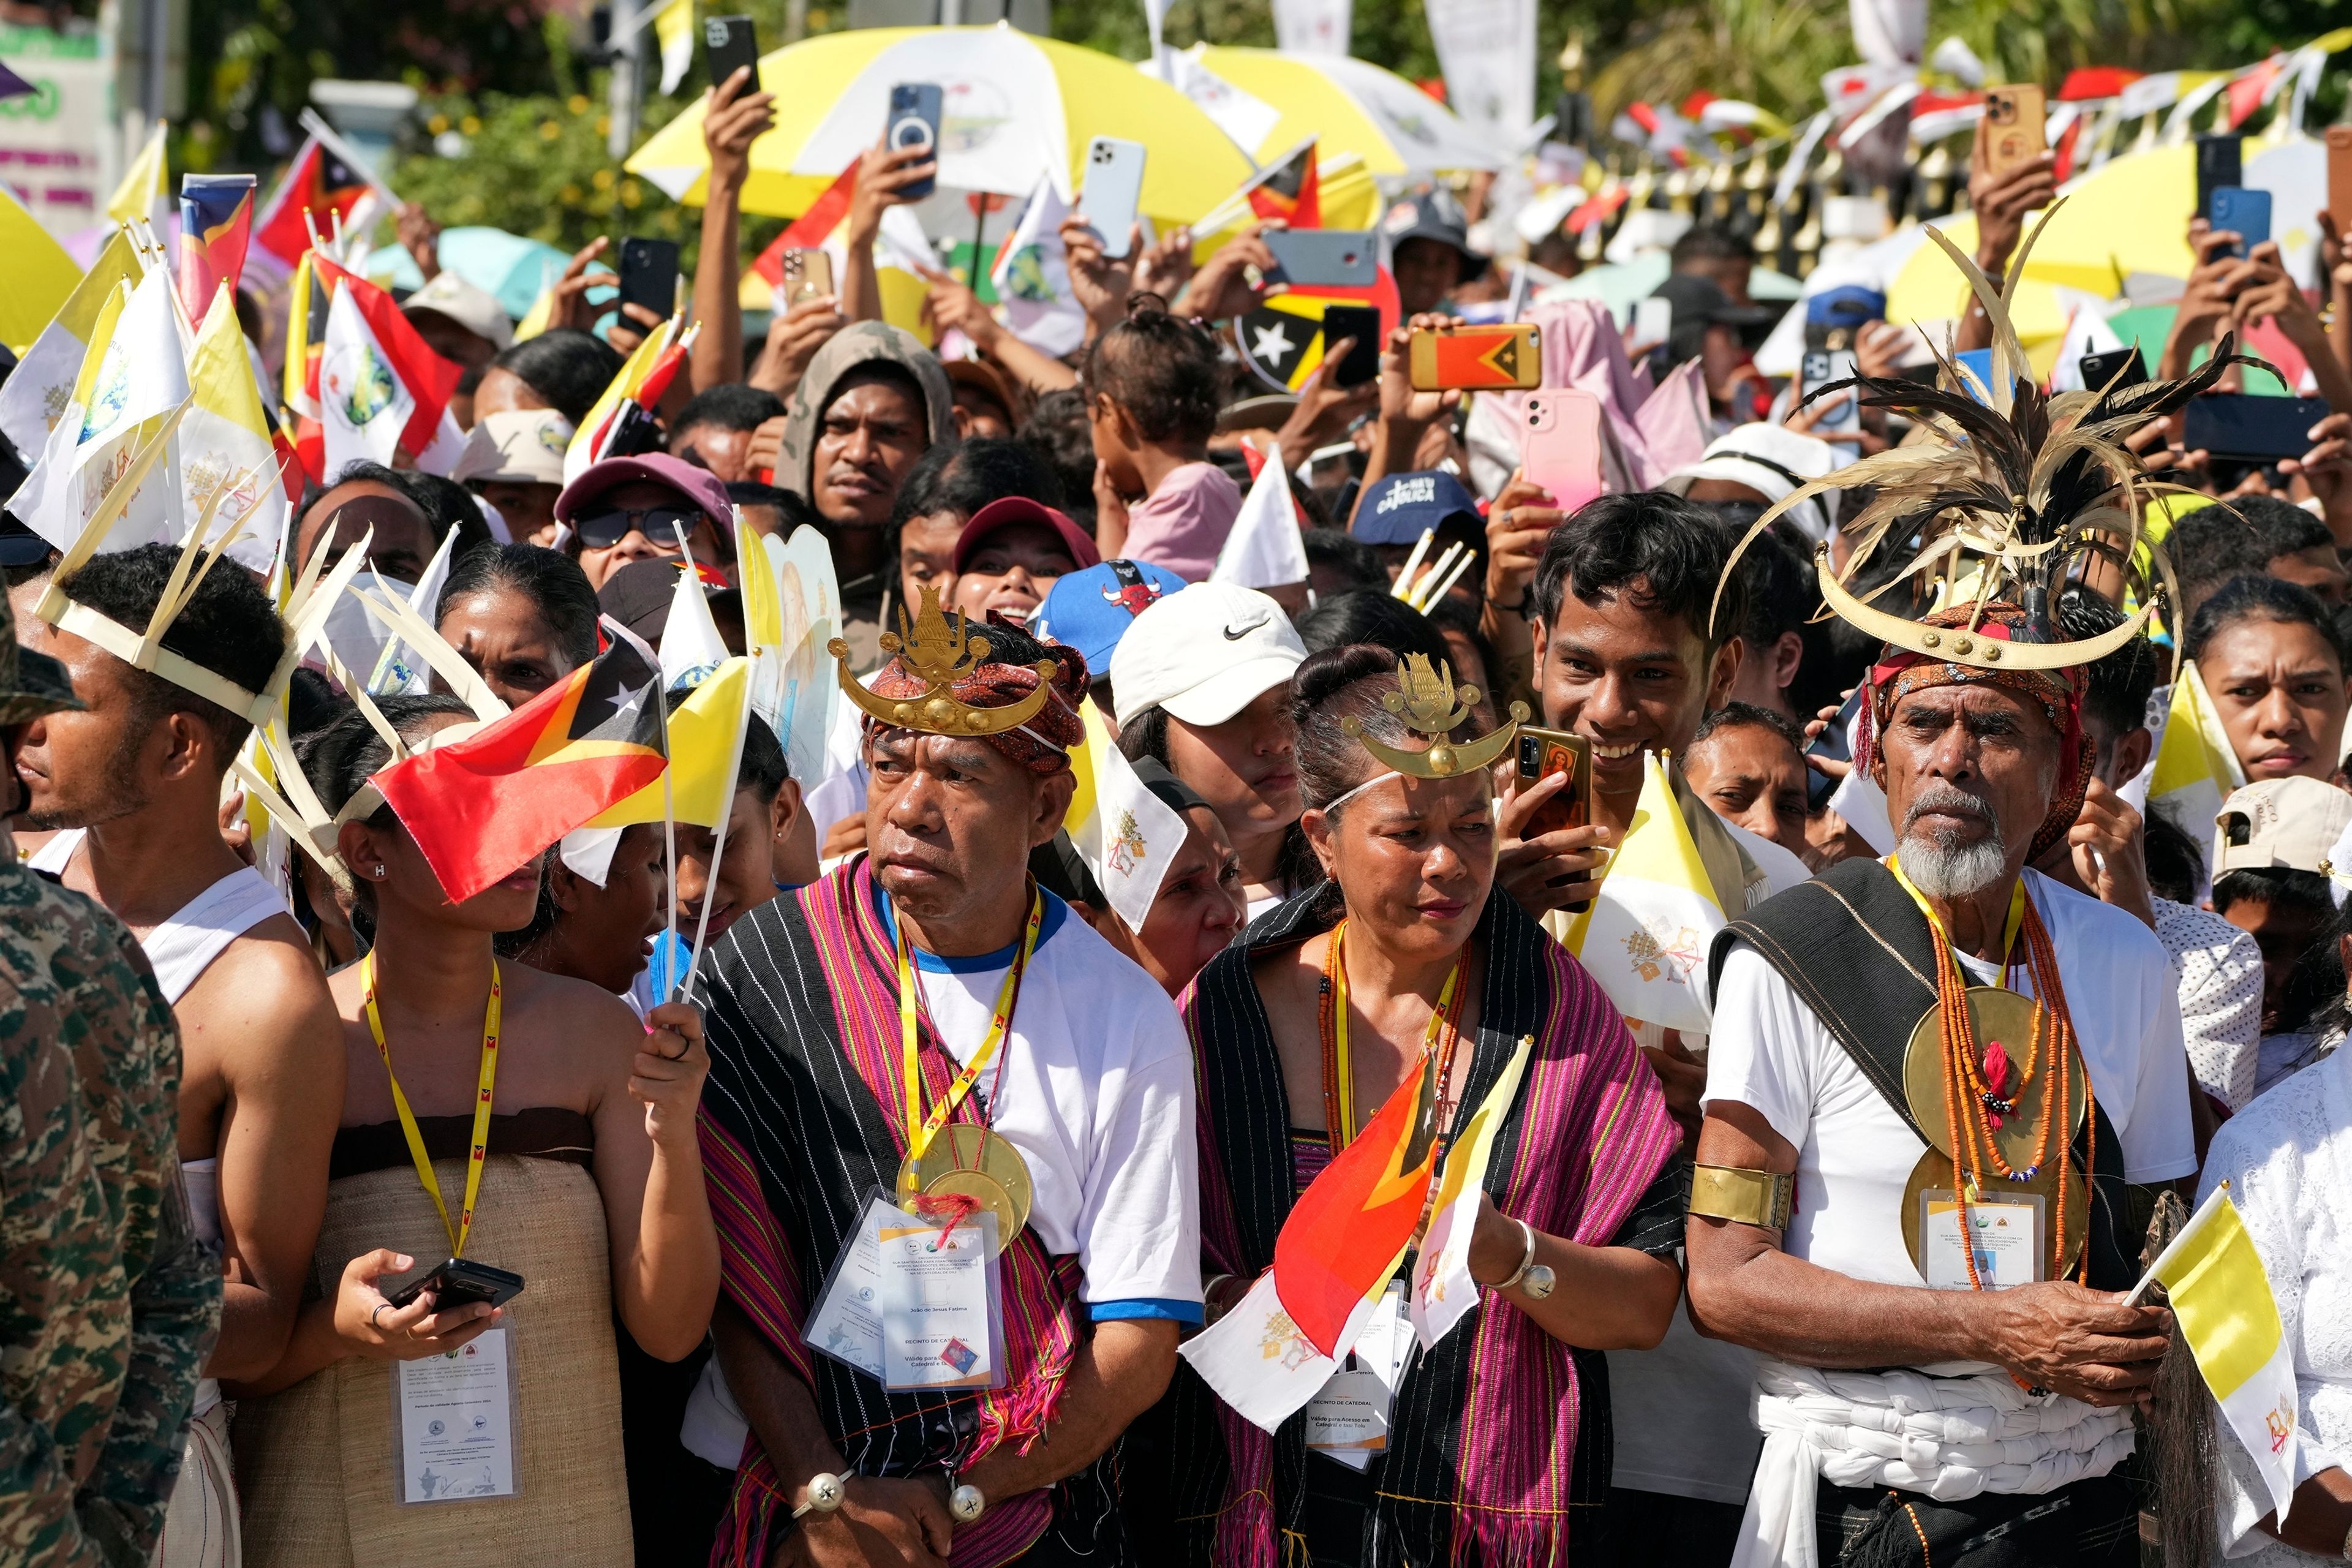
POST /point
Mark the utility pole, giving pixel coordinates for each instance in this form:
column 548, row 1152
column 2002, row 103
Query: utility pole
column 628, row 53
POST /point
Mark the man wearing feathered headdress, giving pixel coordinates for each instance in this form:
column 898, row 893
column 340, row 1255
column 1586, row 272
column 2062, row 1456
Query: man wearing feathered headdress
column 1935, row 1078
column 928, row 1022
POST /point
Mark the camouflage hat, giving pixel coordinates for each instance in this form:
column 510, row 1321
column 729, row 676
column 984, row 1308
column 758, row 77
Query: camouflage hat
column 31, row 684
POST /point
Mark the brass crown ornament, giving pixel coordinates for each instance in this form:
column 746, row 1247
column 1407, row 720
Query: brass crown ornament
column 940, row 652
column 1431, row 705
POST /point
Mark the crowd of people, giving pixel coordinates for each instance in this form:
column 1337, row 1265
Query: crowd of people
column 1719, row 1312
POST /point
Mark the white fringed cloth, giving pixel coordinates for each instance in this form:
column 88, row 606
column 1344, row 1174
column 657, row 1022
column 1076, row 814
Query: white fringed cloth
column 1944, row 1437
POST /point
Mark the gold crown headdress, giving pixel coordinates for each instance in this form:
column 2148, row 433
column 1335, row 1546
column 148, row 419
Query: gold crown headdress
column 940, row 655
column 1431, row 705
column 2017, row 488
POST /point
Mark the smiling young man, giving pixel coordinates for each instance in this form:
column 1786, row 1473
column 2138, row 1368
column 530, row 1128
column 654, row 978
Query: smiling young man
column 1627, row 656
column 1087, row 1093
column 135, row 777
column 2273, row 663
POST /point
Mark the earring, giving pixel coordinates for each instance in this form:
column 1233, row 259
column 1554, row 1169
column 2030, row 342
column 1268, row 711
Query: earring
column 377, row 873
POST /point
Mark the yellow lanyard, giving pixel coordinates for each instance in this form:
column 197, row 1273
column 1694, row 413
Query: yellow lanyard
column 921, row 1128
column 479, row 1150
column 1339, row 1083
column 2008, row 927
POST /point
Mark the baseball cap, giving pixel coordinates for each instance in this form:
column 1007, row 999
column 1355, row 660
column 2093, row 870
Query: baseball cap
column 1432, row 215
column 1847, row 305
column 1013, row 511
column 521, row 447
column 2290, row 824
column 1400, row 507
column 989, row 382
column 473, row 309
column 1772, row 460
column 1092, row 608
column 700, row 486
column 1204, row 654
column 1699, row 303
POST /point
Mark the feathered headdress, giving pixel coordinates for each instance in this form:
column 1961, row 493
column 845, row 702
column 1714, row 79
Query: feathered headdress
column 2020, row 488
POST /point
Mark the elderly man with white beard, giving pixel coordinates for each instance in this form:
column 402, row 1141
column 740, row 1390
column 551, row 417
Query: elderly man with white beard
column 1959, row 1065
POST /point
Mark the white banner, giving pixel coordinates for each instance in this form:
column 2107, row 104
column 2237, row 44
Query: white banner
column 1487, row 49
column 1313, row 27
column 52, row 140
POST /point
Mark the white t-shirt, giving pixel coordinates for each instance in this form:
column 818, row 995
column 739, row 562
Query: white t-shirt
column 1854, row 1154
column 1096, row 1092
column 1692, row 1438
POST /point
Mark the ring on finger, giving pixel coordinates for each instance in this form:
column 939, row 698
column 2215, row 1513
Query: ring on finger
column 375, row 1317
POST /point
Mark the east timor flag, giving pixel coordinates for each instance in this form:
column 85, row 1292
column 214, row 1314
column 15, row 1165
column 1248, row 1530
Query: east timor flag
column 1349, row 1230
column 482, row 806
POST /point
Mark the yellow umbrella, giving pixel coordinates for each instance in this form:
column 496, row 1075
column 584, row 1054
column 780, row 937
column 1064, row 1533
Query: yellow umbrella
column 1350, row 106
column 2131, row 216
column 1015, row 108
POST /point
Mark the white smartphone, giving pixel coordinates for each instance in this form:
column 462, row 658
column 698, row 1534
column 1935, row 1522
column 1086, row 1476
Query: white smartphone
column 1653, row 321
column 1827, row 367
column 1113, row 186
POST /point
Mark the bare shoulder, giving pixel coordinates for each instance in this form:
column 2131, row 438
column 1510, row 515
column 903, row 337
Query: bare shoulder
column 591, row 1018
column 266, row 986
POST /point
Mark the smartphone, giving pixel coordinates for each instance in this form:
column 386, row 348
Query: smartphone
column 2218, row 163
column 728, row 45
column 1559, row 446
column 2340, row 175
column 2231, row 425
column 914, row 122
column 1503, row 358
column 1835, row 744
column 2014, row 129
column 1827, row 367
column 2122, row 367
column 808, row 274
column 1362, row 323
column 1307, row 257
column 1114, row 185
column 1543, row 752
column 460, row 1282
column 2244, row 213
column 648, row 275
column 1653, row 321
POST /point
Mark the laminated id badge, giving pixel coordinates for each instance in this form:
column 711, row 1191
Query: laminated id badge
column 1348, row 1419
column 453, row 1420
column 913, row 1302
column 2004, row 1241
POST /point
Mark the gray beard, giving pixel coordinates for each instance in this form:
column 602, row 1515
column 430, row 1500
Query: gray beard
column 1952, row 871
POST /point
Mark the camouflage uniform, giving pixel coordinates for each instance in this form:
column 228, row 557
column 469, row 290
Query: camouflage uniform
column 108, row 1303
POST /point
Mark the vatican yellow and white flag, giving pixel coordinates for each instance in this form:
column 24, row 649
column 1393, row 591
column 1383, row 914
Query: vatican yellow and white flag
column 1127, row 834
column 33, row 400
column 1442, row 1291
column 133, row 373
column 2196, row 767
column 2221, row 1299
column 145, row 191
column 674, row 29
column 226, row 453
column 1645, row 936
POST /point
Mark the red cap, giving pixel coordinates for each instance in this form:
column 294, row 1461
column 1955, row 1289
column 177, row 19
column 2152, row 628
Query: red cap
column 696, row 486
column 1013, row 511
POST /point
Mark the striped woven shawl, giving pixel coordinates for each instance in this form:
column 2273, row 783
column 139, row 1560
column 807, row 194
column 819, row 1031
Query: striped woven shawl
column 800, row 1124
column 1483, row 1459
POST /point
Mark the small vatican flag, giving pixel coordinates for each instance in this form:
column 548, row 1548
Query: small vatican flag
column 1645, row 936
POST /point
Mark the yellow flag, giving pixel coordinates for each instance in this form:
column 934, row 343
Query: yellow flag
column 41, row 275
column 542, row 310
column 147, row 182
column 1645, row 937
column 226, row 453
column 705, row 754
column 2196, row 766
column 2229, row 1321
column 674, row 27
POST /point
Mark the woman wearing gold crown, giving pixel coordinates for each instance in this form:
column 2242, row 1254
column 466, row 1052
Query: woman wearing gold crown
column 1935, row 1078
column 1408, row 961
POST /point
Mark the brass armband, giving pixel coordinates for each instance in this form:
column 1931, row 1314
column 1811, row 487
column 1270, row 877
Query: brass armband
column 1744, row 1197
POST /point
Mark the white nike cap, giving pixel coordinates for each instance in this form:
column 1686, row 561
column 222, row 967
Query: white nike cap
column 1203, row 654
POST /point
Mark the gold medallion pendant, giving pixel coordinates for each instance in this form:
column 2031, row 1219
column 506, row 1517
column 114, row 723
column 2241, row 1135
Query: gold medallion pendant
column 2021, row 1074
column 968, row 1162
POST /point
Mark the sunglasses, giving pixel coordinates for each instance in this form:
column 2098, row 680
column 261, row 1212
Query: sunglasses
column 662, row 524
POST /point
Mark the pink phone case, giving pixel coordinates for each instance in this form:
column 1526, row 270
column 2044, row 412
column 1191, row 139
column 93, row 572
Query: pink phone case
column 1559, row 446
